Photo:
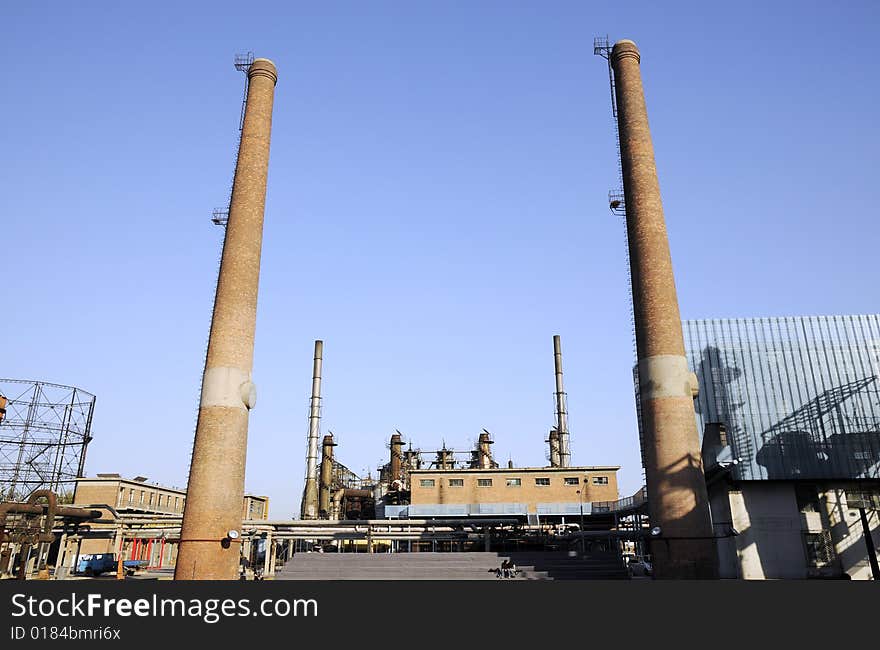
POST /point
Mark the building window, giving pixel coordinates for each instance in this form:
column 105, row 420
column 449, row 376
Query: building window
column 862, row 499
column 159, row 504
column 176, row 504
column 151, row 498
column 426, row 482
column 143, row 494
column 572, row 480
column 542, row 481
column 820, row 549
column 456, row 482
column 600, row 480
column 514, row 482
column 130, row 497
column 484, row 482
column 121, row 496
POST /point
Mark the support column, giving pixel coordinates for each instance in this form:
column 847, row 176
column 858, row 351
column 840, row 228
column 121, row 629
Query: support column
column 676, row 485
column 60, row 569
column 216, row 479
column 79, row 542
column 269, row 568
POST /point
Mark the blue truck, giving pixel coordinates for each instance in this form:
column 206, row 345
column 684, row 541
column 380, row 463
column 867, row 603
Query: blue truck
column 94, row 564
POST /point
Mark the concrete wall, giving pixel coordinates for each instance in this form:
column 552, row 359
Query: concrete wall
column 527, row 492
column 847, row 534
column 770, row 541
column 722, row 522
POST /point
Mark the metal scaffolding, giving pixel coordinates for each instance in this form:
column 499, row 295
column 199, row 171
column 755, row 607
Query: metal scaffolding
column 243, row 62
column 43, row 437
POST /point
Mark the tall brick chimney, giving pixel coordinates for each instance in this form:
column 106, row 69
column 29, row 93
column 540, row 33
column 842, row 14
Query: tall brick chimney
column 677, row 494
column 216, row 477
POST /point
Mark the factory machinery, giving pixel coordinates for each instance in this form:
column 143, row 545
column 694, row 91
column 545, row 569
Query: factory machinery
column 334, row 492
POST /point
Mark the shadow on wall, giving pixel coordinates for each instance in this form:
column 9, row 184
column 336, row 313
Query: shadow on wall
column 798, row 454
column 715, row 402
column 834, row 434
column 686, row 552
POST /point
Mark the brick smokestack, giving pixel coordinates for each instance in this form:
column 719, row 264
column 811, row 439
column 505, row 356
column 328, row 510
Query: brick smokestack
column 309, row 507
column 396, row 456
column 216, row 477
column 554, row 447
column 677, row 496
column 326, row 476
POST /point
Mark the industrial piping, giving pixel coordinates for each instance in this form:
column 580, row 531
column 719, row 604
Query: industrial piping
column 309, row 508
column 561, row 411
column 216, row 478
column 677, row 496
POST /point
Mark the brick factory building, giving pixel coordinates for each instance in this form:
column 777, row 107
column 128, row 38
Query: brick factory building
column 157, row 509
column 545, row 491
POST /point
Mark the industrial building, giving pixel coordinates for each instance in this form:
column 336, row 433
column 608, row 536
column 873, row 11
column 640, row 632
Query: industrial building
column 450, row 483
column 544, row 491
column 790, row 410
column 137, row 496
column 144, row 516
column 760, row 438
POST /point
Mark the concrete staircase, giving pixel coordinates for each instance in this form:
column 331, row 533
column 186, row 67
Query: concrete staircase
column 560, row 566
column 449, row 566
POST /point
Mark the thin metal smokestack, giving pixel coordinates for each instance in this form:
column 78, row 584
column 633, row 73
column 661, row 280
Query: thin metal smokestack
column 310, row 506
column 561, row 411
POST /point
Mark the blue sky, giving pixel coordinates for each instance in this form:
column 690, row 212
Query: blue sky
column 436, row 209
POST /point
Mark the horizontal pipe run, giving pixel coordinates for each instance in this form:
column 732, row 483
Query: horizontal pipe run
column 299, row 523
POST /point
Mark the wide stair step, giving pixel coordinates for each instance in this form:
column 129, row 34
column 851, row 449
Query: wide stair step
column 449, row 566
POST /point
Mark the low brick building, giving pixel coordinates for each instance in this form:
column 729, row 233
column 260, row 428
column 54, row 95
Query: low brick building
column 549, row 491
column 137, row 500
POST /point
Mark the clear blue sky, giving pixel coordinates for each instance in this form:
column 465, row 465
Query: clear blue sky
column 436, row 209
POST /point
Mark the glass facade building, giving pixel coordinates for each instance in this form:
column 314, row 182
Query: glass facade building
column 800, row 396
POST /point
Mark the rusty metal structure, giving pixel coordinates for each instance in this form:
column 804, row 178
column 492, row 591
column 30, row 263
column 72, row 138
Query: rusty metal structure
column 212, row 519
column 684, row 546
column 45, row 431
column 483, row 452
column 25, row 526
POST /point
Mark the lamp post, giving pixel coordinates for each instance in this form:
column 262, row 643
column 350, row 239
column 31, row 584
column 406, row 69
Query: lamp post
column 581, row 502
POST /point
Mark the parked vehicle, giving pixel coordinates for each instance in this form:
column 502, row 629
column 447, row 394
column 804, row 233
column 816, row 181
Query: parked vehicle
column 94, row 564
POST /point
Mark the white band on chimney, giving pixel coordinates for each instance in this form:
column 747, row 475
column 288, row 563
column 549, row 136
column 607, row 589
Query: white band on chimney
column 228, row 387
column 666, row 375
